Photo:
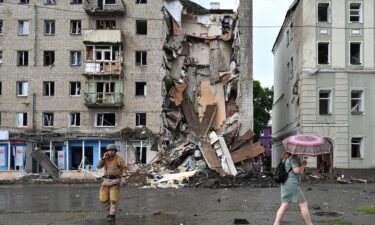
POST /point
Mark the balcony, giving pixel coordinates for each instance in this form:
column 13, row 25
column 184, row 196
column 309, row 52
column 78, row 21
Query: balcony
column 103, row 68
column 102, row 37
column 104, row 7
column 100, row 99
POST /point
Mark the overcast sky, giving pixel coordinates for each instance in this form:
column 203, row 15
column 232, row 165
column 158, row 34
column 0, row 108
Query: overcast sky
column 266, row 13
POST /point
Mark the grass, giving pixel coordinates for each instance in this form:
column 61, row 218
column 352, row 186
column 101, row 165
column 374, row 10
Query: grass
column 77, row 216
column 337, row 221
column 366, row 210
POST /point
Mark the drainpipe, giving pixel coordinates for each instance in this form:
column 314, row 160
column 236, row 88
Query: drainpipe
column 35, row 33
column 33, row 111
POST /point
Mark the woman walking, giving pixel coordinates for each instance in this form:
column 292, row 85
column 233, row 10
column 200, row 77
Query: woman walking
column 291, row 191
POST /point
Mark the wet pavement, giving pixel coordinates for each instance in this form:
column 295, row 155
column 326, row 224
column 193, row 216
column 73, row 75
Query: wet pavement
column 58, row 204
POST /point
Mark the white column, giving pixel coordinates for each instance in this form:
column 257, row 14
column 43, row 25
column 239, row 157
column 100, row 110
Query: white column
column 100, row 149
column 8, row 155
column 67, row 155
column 50, row 151
column 83, row 154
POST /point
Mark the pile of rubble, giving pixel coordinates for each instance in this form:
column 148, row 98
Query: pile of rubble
column 202, row 126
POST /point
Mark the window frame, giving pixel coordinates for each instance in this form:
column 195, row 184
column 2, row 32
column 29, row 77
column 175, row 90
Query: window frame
column 328, row 12
column 51, row 121
column 24, row 119
column 330, row 102
column 75, row 2
column 139, row 23
column 138, row 2
column 141, row 57
column 360, row 53
column 21, row 24
column 75, row 25
column 1, row 57
column 1, row 27
column 49, row 2
column 144, row 88
column 49, row 27
column 329, row 52
column 103, row 114
column 75, row 58
column 73, row 121
column 47, row 61
column 361, row 147
column 138, row 119
column 48, row 88
column 361, row 99
column 22, row 58
column 22, row 88
column 360, row 14
column 24, row 2
column 71, row 83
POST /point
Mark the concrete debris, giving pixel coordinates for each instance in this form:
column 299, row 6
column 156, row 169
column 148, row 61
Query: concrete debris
column 201, row 128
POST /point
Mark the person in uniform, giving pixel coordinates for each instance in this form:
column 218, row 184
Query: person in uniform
column 291, row 191
column 115, row 171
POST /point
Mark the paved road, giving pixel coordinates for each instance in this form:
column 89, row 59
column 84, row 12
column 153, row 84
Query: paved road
column 78, row 204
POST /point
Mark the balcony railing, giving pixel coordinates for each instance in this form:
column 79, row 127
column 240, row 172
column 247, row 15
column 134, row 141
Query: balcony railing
column 100, row 8
column 103, row 68
column 100, row 99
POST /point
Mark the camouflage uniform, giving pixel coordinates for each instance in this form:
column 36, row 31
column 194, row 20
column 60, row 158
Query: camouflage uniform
column 114, row 169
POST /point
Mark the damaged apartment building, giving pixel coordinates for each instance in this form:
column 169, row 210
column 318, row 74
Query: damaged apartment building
column 160, row 79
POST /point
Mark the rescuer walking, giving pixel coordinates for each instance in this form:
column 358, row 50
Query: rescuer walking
column 114, row 174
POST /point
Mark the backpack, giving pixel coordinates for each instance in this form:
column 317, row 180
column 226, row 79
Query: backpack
column 280, row 175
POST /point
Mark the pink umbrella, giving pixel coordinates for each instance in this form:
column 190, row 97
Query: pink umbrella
column 309, row 145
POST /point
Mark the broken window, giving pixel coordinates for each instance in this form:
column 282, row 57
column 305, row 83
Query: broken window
column 106, row 24
column 141, row 58
column 1, row 58
column 355, row 12
column 50, row 2
column 48, row 88
column 105, row 120
column 49, row 58
column 24, row 2
column 75, row 26
column 140, row 1
column 23, row 27
column 49, row 27
column 355, row 53
column 21, row 120
column 109, row 2
column 141, row 155
column 22, row 58
column 75, row 58
column 141, row 27
column 75, row 119
column 357, row 148
column 75, row 88
column 323, row 12
column 325, row 102
column 140, row 88
column 22, row 88
column 140, row 119
column 48, row 119
column 1, row 27
column 357, row 106
column 76, row 2
column 323, row 53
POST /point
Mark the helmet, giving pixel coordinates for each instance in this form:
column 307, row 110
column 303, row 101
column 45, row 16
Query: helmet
column 112, row 147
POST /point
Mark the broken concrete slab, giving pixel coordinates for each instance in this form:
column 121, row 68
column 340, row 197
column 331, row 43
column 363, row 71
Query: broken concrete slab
column 46, row 163
column 247, row 151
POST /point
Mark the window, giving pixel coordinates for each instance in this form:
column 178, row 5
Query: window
column 325, row 102
column 1, row 27
column 21, row 120
column 23, row 27
column 75, row 119
column 76, row 2
column 75, row 26
column 50, row 2
column 24, row 2
column 141, row 27
column 140, row 1
column 49, row 58
column 75, row 58
column 105, row 120
column 355, row 53
column 22, row 58
column 140, row 155
column 140, row 88
column 22, row 88
column 48, row 119
column 48, row 88
column 140, row 119
column 323, row 53
column 1, row 58
column 355, row 12
column 109, row 2
column 357, row 106
column 291, row 67
column 75, row 88
column 141, row 58
column 49, row 27
column 106, row 24
column 323, row 12
column 357, row 148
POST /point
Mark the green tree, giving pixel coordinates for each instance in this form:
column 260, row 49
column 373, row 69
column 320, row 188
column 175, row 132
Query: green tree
column 263, row 100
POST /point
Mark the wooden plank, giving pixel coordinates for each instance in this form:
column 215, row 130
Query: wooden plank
column 190, row 115
column 228, row 157
column 247, row 151
column 242, row 140
column 207, row 120
column 210, row 156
